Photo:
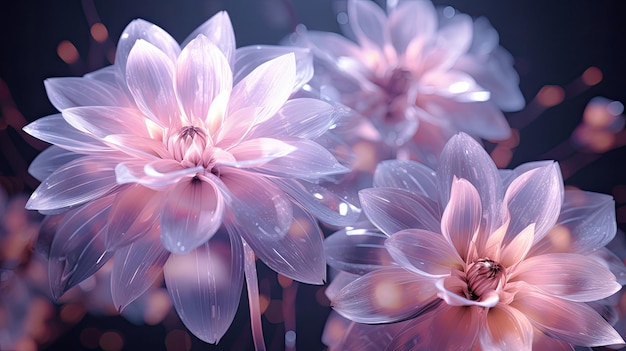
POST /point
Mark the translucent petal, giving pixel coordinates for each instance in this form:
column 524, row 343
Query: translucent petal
column 369, row 23
column 158, row 175
column 55, row 130
column 392, row 210
column 249, row 57
column 309, row 161
column 205, row 286
column 260, row 208
column 461, row 217
column 453, row 40
column 134, row 213
column 568, row 276
column 545, row 342
column 74, row 183
column 359, row 336
column 267, row 87
column 78, row 249
column 141, row 29
column 414, row 335
column 302, row 118
column 572, row 322
column 136, row 146
column 480, row 118
column 328, row 46
column 452, row 290
column 612, row 262
column 518, row 247
column 202, row 72
column 424, row 252
column 338, row 282
column 136, row 267
column 150, row 79
column 411, row 20
column 464, row 321
column 219, row 30
column 256, row 152
column 534, row 197
column 507, row 329
column 101, row 121
column 72, row 92
column 47, row 232
column 192, row 212
column 321, row 202
column 409, row 175
column 455, row 85
column 464, row 158
column 385, row 295
column 357, row 251
column 49, row 160
column 298, row 254
column 586, row 223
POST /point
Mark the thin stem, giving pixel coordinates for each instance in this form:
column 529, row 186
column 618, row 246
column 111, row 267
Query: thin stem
column 252, row 285
column 289, row 314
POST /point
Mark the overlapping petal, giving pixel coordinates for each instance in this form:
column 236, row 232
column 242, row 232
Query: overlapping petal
column 357, row 251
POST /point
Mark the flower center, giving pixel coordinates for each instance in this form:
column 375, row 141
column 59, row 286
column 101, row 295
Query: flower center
column 483, row 276
column 398, row 83
column 187, row 145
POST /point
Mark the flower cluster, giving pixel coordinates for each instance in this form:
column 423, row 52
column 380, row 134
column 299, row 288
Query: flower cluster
column 190, row 160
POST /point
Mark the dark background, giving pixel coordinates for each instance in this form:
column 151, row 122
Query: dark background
column 553, row 43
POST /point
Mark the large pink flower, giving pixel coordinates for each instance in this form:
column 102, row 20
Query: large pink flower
column 153, row 155
column 472, row 258
column 416, row 76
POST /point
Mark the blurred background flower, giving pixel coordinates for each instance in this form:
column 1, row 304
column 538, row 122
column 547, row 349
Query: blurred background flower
column 565, row 53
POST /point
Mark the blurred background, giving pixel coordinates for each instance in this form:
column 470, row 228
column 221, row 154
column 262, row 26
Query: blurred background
column 566, row 52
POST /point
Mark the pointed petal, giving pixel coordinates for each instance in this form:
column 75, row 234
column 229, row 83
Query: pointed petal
column 134, row 213
column 192, row 212
column 357, row 251
column 411, row 20
column 572, row 322
column 463, row 320
column 71, row 92
column 141, row 29
column 453, row 40
column 308, row 160
column 267, row 87
column 409, row 175
column 568, row 276
column 74, row 183
column 452, row 290
column 369, row 23
column 392, row 210
column 260, row 208
column 55, row 130
column 78, row 249
column 534, row 197
column 205, row 286
column 518, row 248
column 298, row 254
column 384, row 296
column 157, row 175
column 454, row 85
column 202, row 72
column 101, row 121
column 249, row 57
column 150, row 79
column 612, row 262
column 256, row 152
column 461, row 218
column 219, row 30
column 586, row 223
column 507, row 329
column 320, row 202
column 423, row 252
column 301, row 118
column 136, row 267
column 464, row 158
column 49, row 160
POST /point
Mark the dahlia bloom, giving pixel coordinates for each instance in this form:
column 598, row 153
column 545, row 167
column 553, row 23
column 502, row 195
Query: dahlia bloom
column 417, row 77
column 175, row 158
column 501, row 259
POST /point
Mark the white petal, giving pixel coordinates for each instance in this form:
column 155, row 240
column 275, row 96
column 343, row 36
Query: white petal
column 219, row 30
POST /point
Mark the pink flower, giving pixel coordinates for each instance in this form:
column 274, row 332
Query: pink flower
column 153, row 155
column 470, row 257
column 418, row 78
